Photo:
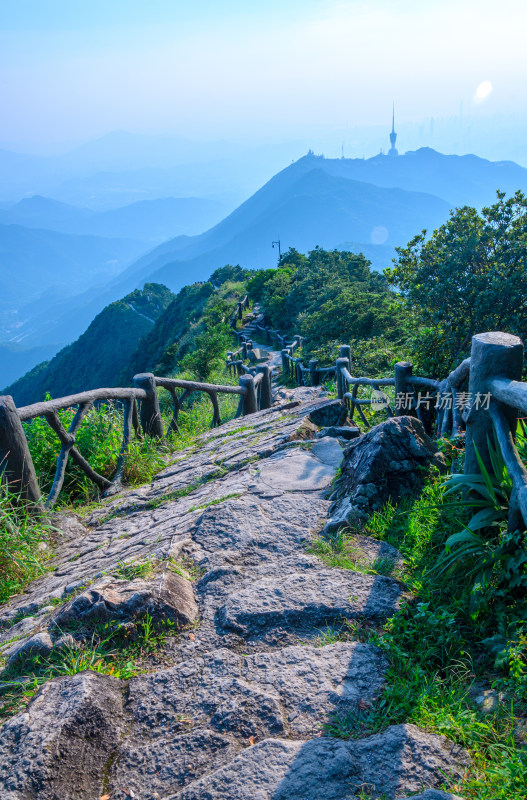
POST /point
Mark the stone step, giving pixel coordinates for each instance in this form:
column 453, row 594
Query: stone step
column 306, row 601
column 402, row 759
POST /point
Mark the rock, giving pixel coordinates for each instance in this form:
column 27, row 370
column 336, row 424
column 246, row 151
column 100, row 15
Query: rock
column 387, row 463
column 328, row 451
column 402, row 759
column 59, row 747
column 490, row 700
column 153, row 769
column 297, row 471
column 38, row 645
column 169, row 596
column 329, row 413
column 341, row 432
column 288, row 691
column 256, row 355
column 250, row 528
column 307, row 600
column 306, row 431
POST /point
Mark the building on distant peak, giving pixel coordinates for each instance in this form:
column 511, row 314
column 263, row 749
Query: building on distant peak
column 393, row 136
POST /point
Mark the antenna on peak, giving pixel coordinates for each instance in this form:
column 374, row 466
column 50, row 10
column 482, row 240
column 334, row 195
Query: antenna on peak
column 393, row 136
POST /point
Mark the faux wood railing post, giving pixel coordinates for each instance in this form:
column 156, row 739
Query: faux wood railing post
column 345, row 352
column 266, row 394
column 15, row 459
column 299, row 375
column 239, row 310
column 403, row 389
column 493, row 355
column 244, row 348
column 341, row 362
column 249, row 402
column 285, row 363
column 151, row 420
column 313, row 372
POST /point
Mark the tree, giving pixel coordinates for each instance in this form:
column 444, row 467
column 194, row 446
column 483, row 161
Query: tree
column 470, row 276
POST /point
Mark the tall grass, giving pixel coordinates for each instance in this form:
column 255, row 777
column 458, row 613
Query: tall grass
column 25, row 545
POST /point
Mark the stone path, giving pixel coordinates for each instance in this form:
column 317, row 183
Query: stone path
column 237, row 711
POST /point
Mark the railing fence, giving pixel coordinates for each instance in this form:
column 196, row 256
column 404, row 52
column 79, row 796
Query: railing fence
column 141, row 414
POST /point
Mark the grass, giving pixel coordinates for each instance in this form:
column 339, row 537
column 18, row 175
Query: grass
column 341, row 550
column 25, row 545
column 437, row 653
column 186, row 567
column 113, row 649
column 216, row 502
column 132, row 569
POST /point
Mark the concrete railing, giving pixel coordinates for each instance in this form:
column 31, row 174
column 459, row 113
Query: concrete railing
column 141, row 413
column 483, row 397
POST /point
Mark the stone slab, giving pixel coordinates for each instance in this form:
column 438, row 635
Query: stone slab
column 309, row 600
column 397, row 761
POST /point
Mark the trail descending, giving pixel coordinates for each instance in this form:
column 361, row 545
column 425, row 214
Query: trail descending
column 237, row 706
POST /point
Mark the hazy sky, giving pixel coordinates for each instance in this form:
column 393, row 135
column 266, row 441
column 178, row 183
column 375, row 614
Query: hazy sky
column 75, row 69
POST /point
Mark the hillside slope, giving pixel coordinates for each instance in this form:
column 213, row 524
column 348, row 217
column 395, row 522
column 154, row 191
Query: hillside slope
column 376, row 203
column 367, row 205
column 304, row 207
column 97, row 356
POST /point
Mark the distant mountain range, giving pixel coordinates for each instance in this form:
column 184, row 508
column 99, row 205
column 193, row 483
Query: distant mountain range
column 148, row 221
column 121, row 168
column 374, row 203
column 369, row 205
column 43, row 267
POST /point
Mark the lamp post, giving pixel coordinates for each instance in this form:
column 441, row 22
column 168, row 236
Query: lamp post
column 277, row 244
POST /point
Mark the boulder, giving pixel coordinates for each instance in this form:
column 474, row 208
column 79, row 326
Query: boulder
column 389, row 462
column 341, row 432
column 255, row 355
column 329, row 413
column 40, row 644
column 59, row 748
column 399, row 761
column 309, row 600
column 167, row 597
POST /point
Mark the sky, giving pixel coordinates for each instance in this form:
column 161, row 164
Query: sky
column 72, row 70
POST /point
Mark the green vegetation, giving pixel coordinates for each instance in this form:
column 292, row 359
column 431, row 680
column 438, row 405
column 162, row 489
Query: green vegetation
column 342, row 550
column 441, row 649
column 25, row 545
column 331, row 298
column 198, row 313
column 468, row 277
column 199, row 355
column 121, row 650
column 465, row 628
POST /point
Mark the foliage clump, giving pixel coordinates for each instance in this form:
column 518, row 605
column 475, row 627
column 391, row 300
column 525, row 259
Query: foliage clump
column 331, row 298
column 468, row 277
